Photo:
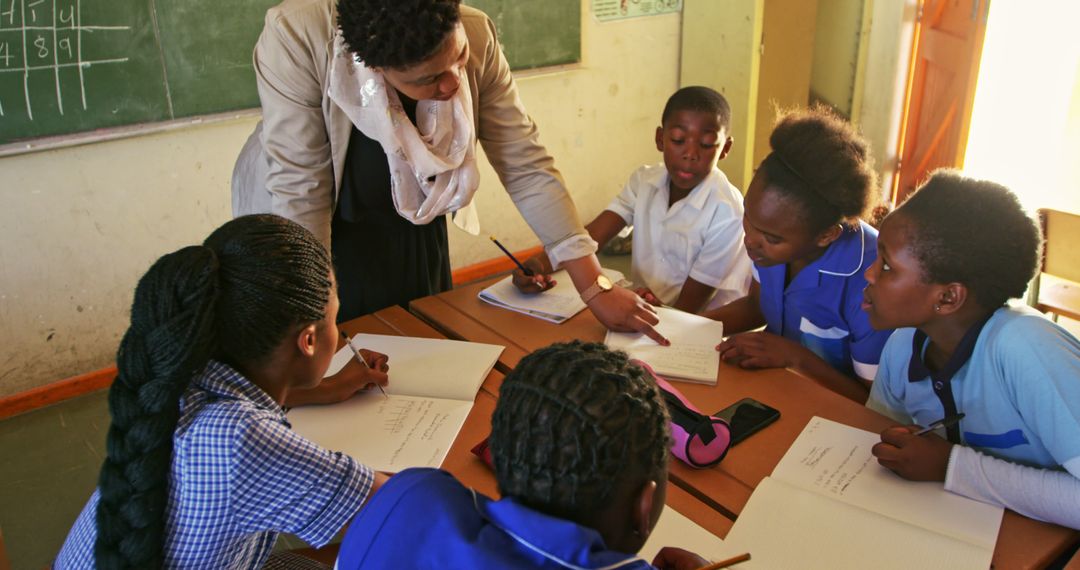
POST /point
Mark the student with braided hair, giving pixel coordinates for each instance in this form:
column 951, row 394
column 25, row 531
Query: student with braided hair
column 202, row 469
column 580, row 442
column 804, row 232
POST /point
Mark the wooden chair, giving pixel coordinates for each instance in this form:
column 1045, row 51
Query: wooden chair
column 1056, row 288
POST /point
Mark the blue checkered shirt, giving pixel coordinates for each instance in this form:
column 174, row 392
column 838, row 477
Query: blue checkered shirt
column 240, row 476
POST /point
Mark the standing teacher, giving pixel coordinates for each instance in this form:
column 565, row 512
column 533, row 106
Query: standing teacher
column 371, row 114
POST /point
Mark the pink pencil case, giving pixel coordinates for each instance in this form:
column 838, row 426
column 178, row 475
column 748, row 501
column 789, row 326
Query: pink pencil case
column 700, row 440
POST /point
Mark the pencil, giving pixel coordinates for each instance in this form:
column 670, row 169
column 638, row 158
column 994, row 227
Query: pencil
column 524, row 269
column 942, row 423
column 729, row 562
column 360, row 357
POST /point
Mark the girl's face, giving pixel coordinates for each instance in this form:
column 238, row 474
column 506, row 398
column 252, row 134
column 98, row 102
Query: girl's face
column 897, row 294
column 326, row 338
column 775, row 232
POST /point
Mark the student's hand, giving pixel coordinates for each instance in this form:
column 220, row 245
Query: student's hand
column 671, row 558
column 355, row 377
column 914, row 457
column 759, row 350
column 649, row 296
column 621, row 310
column 539, row 281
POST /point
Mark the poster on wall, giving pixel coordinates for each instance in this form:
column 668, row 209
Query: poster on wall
column 608, row 10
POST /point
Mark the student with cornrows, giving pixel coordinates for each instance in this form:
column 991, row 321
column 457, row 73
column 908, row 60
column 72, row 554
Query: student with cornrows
column 202, row 469
column 948, row 261
column 810, row 247
column 580, row 444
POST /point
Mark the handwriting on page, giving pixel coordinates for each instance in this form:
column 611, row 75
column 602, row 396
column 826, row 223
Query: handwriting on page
column 677, row 359
column 836, row 468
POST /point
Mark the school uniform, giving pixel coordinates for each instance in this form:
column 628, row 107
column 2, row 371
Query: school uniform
column 239, row 476
column 424, row 518
column 699, row 237
column 821, row 308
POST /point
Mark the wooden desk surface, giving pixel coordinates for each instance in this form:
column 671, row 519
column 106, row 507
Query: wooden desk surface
column 459, row 313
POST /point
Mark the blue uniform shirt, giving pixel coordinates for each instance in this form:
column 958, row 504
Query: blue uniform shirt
column 821, row 308
column 424, row 518
column 239, row 476
column 1019, row 391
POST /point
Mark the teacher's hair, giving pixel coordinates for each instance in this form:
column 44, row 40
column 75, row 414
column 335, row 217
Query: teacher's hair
column 396, row 33
column 573, row 421
column 235, row 298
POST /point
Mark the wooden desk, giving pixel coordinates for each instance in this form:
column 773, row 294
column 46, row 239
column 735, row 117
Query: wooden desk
column 1022, row 542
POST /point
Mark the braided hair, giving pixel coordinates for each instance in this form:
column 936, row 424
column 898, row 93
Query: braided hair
column 574, row 420
column 234, row 298
column 396, row 33
column 822, row 162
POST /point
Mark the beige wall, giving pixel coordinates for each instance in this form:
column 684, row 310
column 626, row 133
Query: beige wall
column 81, row 224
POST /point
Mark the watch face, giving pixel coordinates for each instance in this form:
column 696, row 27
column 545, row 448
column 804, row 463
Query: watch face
column 603, row 282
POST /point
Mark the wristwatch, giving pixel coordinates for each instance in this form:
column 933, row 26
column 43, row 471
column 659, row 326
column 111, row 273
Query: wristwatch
column 601, row 285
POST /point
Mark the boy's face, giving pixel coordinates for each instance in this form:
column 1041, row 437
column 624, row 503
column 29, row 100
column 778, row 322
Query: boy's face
column 692, row 142
column 897, row 294
column 774, row 231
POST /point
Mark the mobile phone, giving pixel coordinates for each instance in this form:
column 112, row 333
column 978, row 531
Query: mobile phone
column 746, row 417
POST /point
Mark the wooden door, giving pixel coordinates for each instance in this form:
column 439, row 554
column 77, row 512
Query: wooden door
column 941, row 89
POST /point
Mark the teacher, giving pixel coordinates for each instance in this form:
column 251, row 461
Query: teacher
column 371, row 114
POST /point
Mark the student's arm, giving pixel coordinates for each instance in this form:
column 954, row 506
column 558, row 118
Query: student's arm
column 741, row 314
column 351, row 379
column 694, row 296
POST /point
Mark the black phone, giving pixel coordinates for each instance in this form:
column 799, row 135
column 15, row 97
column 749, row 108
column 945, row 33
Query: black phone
column 746, row 417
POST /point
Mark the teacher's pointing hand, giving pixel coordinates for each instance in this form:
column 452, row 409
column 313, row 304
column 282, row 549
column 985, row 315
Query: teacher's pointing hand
column 622, row 310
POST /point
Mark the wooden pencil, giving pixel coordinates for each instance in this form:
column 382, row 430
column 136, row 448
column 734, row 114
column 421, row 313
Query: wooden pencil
column 725, row 563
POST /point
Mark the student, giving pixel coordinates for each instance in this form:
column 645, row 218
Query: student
column 580, row 442
column 809, row 248
column 687, row 240
column 202, row 469
column 948, row 260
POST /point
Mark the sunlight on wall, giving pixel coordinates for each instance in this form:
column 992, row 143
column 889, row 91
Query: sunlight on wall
column 1025, row 126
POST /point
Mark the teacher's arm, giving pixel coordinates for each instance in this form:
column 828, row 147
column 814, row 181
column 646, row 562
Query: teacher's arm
column 289, row 70
column 512, row 144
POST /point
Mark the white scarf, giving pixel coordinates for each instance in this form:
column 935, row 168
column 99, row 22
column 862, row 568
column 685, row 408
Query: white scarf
column 432, row 164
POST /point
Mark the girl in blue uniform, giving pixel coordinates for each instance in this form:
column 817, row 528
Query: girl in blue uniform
column 202, row 470
column 948, row 261
column 810, row 247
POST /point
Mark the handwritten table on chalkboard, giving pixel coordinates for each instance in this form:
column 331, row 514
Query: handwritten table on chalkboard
column 68, row 66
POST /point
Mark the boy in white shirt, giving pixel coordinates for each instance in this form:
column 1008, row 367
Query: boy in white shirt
column 688, row 249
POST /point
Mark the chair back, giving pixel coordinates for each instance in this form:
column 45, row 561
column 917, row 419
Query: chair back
column 1056, row 289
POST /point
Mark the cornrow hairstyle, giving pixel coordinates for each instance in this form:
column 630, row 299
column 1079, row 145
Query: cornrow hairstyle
column 824, row 164
column 992, row 247
column 235, row 298
column 698, row 98
column 396, row 33
column 574, row 420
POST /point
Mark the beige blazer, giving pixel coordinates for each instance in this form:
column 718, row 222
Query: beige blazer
column 292, row 164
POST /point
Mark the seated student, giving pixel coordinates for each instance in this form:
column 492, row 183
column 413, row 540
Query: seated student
column 687, row 241
column 580, row 442
column 1014, row 374
column 809, row 248
column 202, row 469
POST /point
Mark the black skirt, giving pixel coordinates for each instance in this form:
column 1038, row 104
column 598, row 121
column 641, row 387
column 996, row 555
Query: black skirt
column 380, row 258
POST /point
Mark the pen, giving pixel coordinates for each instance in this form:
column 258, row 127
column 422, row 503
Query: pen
column 942, row 423
column 512, row 258
column 725, row 563
column 361, row 359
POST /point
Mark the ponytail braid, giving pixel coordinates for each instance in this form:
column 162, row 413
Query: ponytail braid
column 236, row 298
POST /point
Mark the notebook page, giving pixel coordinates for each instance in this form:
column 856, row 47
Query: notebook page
column 555, row 305
column 386, row 434
column 431, row 367
column 674, row 529
column 787, row 527
column 834, row 460
column 692, row 354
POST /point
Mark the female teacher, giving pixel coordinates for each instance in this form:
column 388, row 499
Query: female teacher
column 371, row 114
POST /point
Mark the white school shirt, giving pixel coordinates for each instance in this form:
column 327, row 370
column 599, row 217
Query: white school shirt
column 701, row 236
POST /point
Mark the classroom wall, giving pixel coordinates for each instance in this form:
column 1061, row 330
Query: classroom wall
column 836, row 49
column 81, row 224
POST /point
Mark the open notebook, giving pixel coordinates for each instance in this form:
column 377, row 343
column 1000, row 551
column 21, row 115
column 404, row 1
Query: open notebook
column 674, row 529
column 829, row 504
column 692, row 355
column 433, row 383
column 554, row 305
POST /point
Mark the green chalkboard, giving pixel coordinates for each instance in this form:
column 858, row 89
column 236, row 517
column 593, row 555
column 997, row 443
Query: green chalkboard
column 69, row 66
